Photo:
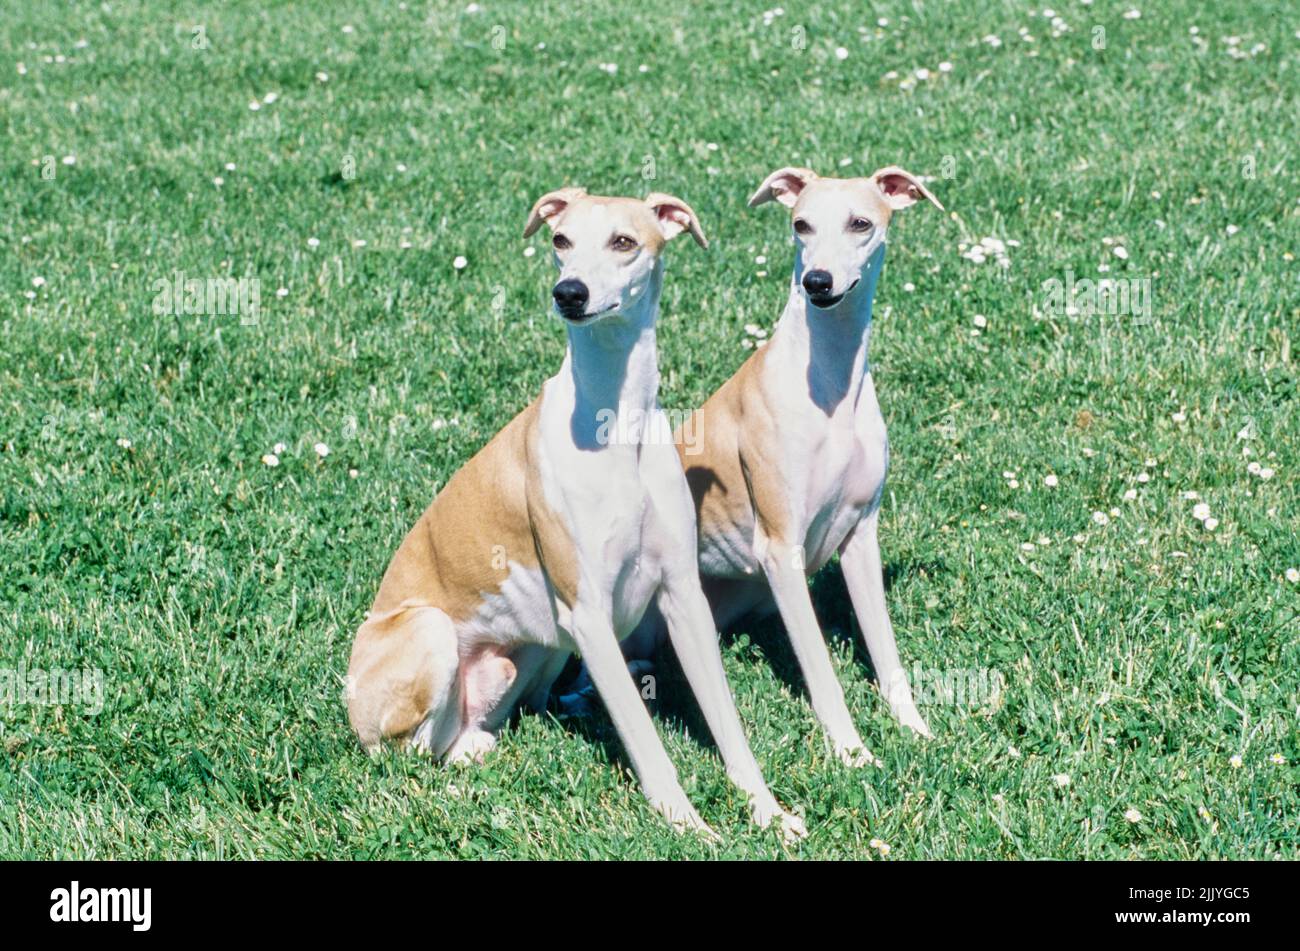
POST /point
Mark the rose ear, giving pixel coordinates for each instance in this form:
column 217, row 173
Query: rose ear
column 901, row 188
column 783, row 185
column 550, row 205
column 675, row 216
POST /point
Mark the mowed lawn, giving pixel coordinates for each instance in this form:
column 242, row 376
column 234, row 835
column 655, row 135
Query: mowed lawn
column 1039, row 529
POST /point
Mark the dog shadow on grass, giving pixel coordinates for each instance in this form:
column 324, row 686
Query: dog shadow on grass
column 674, row 703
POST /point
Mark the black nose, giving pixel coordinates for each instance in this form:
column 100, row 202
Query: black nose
column 818, row 283
column 571, row 295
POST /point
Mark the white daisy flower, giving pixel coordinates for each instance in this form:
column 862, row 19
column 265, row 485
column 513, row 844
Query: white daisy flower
column 1132, row 815
column 322, row 450
column 1051, row 481
column 460, row 263
column 270, row 459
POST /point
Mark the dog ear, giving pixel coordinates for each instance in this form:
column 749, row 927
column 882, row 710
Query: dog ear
column 550, row 205
column 783, row 185
column 901, row 188
column 675, row 216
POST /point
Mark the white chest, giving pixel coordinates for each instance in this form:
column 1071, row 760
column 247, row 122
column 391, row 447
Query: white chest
column 846, row 483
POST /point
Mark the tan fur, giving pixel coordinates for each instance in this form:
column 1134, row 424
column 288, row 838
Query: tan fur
column 727, row 470
column 402, row 659
column 483, row 520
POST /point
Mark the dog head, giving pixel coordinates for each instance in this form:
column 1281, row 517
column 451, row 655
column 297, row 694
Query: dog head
column 839, row 223
column 607, row 249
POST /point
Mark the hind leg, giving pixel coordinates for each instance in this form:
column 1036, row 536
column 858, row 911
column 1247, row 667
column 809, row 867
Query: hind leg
column 403, row 679
column 487, row 679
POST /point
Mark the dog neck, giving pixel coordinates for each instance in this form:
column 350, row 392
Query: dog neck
column 830, row 344
column 612, row 367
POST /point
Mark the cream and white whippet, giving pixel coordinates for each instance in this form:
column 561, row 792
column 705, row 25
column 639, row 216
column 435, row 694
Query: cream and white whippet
column 791, row 468
column 555, row 538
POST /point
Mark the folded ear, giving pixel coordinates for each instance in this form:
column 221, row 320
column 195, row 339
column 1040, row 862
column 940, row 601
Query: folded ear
column 550, row 205
column 901, row 188
column 675, row 216
column 783, row 185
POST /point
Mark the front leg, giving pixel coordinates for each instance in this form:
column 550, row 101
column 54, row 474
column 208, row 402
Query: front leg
column 860, row 559
column 783, row 564
column 596, row 641
column 690, row 627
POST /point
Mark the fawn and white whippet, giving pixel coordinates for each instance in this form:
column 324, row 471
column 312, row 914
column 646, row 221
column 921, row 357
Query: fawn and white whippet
column 788, row 462
column 555, row 538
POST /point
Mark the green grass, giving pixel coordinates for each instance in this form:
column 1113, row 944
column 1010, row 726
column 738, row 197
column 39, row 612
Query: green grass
column 220, row 596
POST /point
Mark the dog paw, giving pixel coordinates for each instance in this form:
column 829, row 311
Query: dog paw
column 576, row 705
column 684, row 818
column 580, row 705
column 857, row 756
column 471, row 747
column 909, row 717
column 792, row 827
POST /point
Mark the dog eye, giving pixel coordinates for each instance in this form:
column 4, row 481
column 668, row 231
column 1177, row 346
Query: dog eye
column 802, row 227
column 621, row 242
column 561, row 243
column 860, row 225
